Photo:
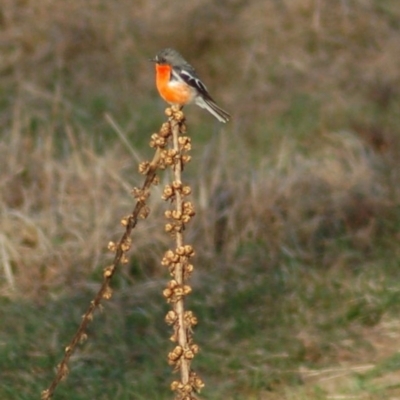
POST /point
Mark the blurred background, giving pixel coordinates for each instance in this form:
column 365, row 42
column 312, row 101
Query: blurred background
column 298, row 203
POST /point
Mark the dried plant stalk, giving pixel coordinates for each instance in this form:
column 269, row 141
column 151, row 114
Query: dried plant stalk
column 149, row 169
column 178, row 262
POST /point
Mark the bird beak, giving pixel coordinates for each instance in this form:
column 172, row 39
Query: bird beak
column 153, row 60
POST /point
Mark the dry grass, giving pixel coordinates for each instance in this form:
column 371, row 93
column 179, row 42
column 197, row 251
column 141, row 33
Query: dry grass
column 61, row 198
column 267, row 52
column 60, row 209
column 303, row 205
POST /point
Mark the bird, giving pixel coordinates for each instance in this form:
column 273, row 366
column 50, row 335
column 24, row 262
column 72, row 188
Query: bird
column 178, row 83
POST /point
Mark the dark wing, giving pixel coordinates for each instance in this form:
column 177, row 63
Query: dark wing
column 190, row 77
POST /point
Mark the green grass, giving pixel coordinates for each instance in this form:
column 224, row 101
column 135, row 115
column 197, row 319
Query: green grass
column 259, row 328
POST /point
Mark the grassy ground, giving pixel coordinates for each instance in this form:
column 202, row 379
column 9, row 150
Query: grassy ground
column 297, row 227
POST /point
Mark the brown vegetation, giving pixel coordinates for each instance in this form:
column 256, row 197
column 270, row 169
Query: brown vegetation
column 306, row 176
column 322, row 68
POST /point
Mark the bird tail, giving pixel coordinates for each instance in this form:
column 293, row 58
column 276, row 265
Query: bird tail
column 211, row 107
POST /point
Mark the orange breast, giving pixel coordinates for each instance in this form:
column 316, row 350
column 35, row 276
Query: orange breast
column 172, row 92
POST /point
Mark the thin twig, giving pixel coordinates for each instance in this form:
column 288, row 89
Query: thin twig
column 105, row 291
